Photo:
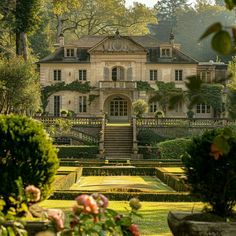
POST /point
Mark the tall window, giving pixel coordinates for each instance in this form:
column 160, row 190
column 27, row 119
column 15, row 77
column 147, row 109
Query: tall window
column 153, row 107
column 82, row 104
column 178, row 75
column 57, row 105
column 205, row 76
column 57, row 75
column 70, row 52
column 153, row 75
column 179, row 107
column 82, row 75
column 118, row 73
column 203, row 108
column 165, row 52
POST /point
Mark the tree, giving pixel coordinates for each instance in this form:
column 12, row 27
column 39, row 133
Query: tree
column 20, row 17
column 19, row 85
column 94, row 17
column 167, row 9
column 167, row 95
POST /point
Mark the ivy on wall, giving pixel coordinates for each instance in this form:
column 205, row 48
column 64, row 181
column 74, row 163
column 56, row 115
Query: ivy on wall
column 76, row 86
column 144, row 86
column 213, row 95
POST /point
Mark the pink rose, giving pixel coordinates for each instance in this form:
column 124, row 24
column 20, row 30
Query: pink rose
column 33, row 193
column 57, row 217
column 89, row 204
column 134, row 230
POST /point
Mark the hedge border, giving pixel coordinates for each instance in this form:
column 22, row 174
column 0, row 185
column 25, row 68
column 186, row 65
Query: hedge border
column 65, row 182
column 78, row 152
column 126, row 196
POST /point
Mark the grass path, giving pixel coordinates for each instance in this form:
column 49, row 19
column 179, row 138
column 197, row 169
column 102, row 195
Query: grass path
column 154, row 221
column 99, row 183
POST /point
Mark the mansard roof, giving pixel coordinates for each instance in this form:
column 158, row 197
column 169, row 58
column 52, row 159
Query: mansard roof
column 144, row 44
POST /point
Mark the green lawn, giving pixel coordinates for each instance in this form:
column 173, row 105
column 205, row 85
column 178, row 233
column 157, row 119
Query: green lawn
column 154, row 221
column 106, row 183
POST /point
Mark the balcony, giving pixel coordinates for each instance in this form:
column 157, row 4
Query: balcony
column 117, row 84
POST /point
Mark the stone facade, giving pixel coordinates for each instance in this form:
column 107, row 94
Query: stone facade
column 113, row 65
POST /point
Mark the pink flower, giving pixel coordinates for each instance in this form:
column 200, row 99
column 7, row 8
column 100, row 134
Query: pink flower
column 102, row 201
column 33, row 193
column 134, row 230
column 57, row 217
column 89, row 204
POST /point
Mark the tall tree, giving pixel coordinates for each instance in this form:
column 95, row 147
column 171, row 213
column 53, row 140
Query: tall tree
column 93, row 17
column 19, row 87
column 167, row 9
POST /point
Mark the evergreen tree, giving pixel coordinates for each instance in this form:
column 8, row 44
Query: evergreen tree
column 167, row 9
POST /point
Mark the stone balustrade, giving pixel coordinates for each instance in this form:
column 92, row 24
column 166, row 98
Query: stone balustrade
column 117, row 84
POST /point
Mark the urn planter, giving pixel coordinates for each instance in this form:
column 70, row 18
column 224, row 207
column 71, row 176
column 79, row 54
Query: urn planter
column 180, row 226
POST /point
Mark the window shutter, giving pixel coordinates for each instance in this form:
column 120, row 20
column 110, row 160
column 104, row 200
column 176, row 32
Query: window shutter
column 50, row 106
column 51, row 75
column 63, row 75
column 106, row 73
column 129, row 74
column 76, row 74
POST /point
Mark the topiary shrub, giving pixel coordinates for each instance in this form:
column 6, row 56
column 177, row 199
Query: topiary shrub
column 26, row 151
column 173, row 149
column 210, row 165
column 139, row 107
column 148, row 137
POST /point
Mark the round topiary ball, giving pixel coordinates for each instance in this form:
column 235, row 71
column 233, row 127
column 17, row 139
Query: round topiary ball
column 26, row 151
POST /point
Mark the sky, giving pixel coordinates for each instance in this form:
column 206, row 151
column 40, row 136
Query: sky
column 149, row 3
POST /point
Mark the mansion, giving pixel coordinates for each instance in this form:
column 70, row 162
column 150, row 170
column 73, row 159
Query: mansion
column 114, row 66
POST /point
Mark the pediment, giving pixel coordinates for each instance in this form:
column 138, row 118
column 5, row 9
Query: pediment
column 117, row 44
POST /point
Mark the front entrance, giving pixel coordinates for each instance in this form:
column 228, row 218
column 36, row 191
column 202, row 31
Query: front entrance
column 118, row 109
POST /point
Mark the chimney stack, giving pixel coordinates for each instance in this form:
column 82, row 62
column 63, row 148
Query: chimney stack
column 61, row 40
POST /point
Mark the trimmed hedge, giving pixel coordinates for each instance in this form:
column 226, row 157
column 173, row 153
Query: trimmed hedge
column 148, row 137
column 77, row 151
column 126, row 196
column 64, row 183
column 173, row 149
column 149, row 152
column 172, row 181
column 116, row 171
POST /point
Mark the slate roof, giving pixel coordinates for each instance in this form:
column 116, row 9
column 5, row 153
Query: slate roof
column 148, row 42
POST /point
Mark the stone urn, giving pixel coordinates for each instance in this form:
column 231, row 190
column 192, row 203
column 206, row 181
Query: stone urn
column 180, row 226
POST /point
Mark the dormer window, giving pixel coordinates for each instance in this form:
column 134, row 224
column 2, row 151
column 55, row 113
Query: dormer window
column 166, row 52
column 69, row 52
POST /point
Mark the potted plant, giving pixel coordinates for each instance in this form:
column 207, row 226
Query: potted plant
column 64, row 113
column 210, row 167
column 39, row 112
column 190, row 114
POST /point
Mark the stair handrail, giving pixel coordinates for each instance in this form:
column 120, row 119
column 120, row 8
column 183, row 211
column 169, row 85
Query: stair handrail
column 102, row 136
column 135, row 142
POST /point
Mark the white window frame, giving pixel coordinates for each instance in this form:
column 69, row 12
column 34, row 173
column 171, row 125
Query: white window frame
column 206, row 76
column 178, row 75
column 166, row 52
column 153, row 75
column 82, row 76
column 57, row 75
column 83, row 104
column 69, row 52
column 153, row 107
column 203, row 108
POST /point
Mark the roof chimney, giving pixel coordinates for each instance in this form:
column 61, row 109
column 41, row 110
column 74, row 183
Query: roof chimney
column 61, row 40
column 172, row 38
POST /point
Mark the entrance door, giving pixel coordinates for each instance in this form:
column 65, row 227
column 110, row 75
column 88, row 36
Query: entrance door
column 118, row 109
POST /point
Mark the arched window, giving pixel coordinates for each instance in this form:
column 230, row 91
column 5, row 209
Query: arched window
column 118, row 73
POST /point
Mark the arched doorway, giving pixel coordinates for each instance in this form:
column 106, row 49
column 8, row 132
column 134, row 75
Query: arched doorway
column 118, row 108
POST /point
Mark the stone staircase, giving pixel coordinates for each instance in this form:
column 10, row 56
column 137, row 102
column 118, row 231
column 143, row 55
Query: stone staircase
column 118, row 142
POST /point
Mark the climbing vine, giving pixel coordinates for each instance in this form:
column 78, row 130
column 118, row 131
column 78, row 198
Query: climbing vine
column 213, row 95
column 62, row 86
column 144, row 86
